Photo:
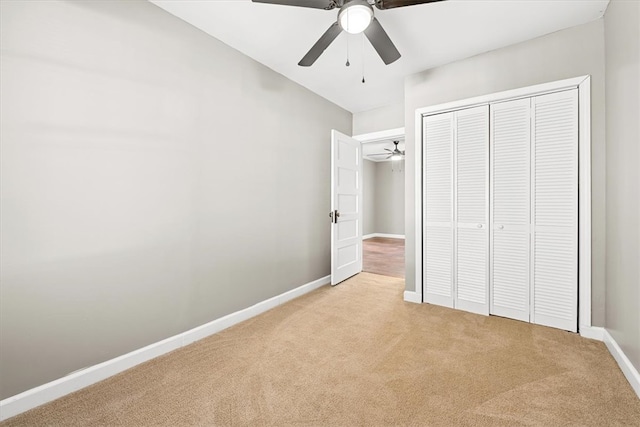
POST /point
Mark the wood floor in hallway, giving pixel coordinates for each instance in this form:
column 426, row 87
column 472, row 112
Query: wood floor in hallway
column 383, row 255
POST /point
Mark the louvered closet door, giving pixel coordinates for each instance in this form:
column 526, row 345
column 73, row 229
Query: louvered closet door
column 438, row 209
column 510, row 209
column 555, row 210
column 471, row 209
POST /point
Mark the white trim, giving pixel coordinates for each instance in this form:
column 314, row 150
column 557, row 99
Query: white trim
column 591, row 332
column 418, row 203
column 380, row 136
column 584, row 202
column 37, row 396
column 389, row 236
column 627, row 368
column 414, row 297
column 601, row 334
column 584, row 176
column 523, row 92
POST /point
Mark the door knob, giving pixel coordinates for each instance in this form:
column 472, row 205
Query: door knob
column 501, row 227
column 334, row 216
column 479, row 225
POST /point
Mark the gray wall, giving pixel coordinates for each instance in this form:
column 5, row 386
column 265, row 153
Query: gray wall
column 389, row 202
column 383, row 194
column 153, row 179
column 369, row 197
column 622, row 46
column 569, row 53
column 383, row 118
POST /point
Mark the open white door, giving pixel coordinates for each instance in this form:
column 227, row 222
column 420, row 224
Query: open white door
column 346, row 207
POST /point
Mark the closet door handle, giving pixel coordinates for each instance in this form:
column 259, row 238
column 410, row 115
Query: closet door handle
column 501, row 227
column 479, row 225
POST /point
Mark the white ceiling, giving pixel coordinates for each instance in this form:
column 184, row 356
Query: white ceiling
column 426, row 35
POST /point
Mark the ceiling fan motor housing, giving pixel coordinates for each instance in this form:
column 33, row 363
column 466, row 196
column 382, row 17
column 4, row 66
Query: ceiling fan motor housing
column 355, row 16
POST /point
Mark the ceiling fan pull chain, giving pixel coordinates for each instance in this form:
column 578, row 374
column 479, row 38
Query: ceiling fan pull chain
column 348, row 63
column 362, row 38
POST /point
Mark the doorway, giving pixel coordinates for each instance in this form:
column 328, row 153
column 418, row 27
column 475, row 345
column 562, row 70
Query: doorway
column 383, row 203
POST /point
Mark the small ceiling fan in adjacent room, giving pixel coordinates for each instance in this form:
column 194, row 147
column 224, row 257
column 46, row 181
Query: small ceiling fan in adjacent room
column 354, row 17
column 395, row 154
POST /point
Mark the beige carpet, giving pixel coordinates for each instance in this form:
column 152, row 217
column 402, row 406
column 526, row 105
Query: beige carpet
column 357, row 354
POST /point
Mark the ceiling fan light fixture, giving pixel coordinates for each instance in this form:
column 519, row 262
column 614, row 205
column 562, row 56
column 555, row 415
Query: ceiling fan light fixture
column 355, row 17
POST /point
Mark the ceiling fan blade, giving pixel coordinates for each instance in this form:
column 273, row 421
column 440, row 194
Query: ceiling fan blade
column 316, row 4
column 381, row 42
column 391, row 151
column 378, row 154
column 390, row 4
column 320, row 46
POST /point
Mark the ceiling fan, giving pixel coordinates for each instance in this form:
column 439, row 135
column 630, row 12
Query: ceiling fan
column 354, row 17
column 394, row 154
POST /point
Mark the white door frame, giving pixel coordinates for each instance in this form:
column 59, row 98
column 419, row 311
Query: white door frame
column 384, row 135
column 583, row 83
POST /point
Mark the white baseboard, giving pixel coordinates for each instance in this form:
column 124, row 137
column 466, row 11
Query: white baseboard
column 411, row 296
column 34, row 397
column 629, row 371
column 627, row 368
column 592, row 332
column 389, row 236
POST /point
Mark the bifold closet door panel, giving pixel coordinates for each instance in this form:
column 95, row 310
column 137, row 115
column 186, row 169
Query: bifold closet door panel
column 437, row 186
column 555, row 210
column 510, row 209
column 471, row 159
